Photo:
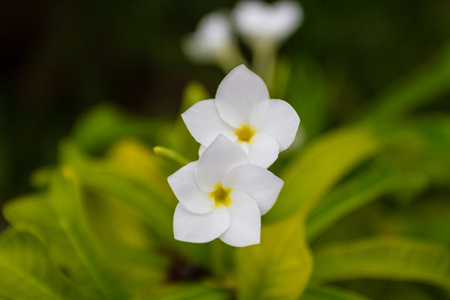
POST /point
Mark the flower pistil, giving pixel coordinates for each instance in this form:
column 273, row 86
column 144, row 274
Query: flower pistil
column 245, row 133
column 220, row 195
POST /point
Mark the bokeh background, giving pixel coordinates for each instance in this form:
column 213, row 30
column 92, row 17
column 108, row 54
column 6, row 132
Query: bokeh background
column 58, row 59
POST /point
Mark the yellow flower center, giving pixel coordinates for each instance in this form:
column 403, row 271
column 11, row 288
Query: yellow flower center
column 221, row 196
column 245, row 133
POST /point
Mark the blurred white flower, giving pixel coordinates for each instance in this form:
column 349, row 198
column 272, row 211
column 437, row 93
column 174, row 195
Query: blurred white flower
column 222, row 196
column 213, row 40
column 244, row 112
column 259, row 22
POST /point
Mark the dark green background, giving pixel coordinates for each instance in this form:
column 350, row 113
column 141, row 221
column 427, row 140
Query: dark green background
column 60, row 58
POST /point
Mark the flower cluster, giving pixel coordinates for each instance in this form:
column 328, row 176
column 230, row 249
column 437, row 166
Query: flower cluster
column 225, row 193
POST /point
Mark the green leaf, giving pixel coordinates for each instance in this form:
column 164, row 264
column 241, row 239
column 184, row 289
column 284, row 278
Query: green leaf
column 355, row 193
column 114, row 228
column 384, row 258
column 308, row 178
column 153, row 210
column 58, row 218
column 279, row 267
column 104, row 124
column 421, row 143
column 132, row 177
column 185, row 291
column 309, row 92
column 135, row 160
column 393, row 290
column 124, row 239
column 428, row 219
column 431, row 132
column 193, row 92
column 66, row 200
column 327, row 293
column 33, row 213
column 423, row 85
column 27, row 272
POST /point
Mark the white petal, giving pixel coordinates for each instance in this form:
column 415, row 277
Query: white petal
column 204, row 122
column 200, row 228
column 219, row 158
column 215, row 31
column 245, row 223
column 263, row 150
column 260, row 184
column 186, row 190
column 212, row 37
column 237, row 95
column 256, row 20
column 278, row 119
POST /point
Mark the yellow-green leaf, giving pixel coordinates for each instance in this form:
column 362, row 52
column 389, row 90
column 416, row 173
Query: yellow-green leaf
column 327, row 293
column 279, row 267
column 190, row 291
column 357, row 192
column 308, row 178
column 27, row 271
column 385, row 258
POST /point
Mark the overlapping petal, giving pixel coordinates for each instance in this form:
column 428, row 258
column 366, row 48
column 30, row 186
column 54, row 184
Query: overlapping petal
column 263, row 150
column 201, row 150
column 196, row 228
column 185, row 188
column 237, row 95
column 217, row 160
column 258, row 183
column 241, row 133
column 278, row 119
column 204, row 122
column 245, row 225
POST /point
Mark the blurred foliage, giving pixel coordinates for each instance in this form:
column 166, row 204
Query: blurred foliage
column 365, row 210
column 59, row 58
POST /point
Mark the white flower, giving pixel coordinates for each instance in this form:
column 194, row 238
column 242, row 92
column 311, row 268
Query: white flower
column 222, row 196
column 244, row 112
column 258, row 21
column 212, row 40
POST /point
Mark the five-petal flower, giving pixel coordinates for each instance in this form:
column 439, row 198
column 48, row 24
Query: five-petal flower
column 222, row 196
column 244, row 112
